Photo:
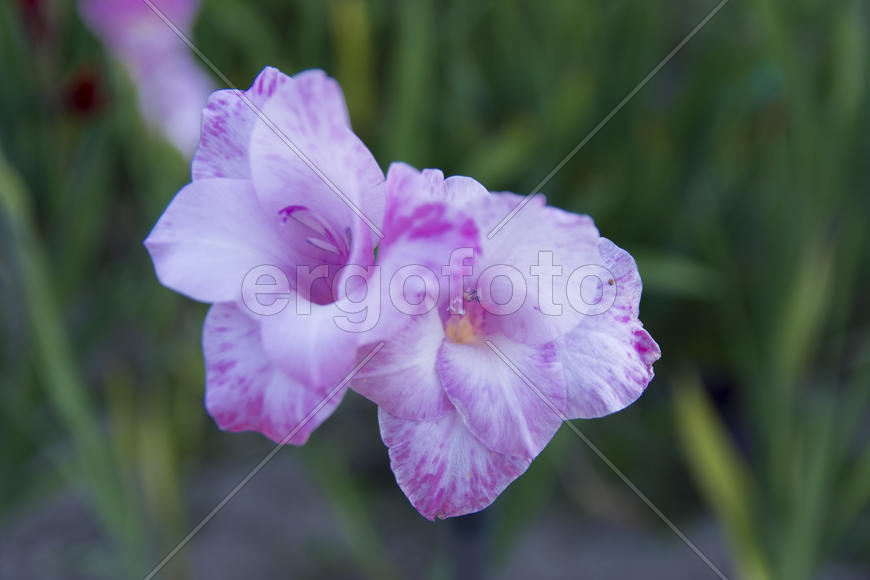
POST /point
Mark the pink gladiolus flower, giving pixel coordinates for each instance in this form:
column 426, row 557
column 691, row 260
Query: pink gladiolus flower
column 254, row 201
column 461, row 423
column 171, row 86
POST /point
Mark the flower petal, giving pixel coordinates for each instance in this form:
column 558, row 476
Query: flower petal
column 461, row 189
column 570, row 239
column 310, row 348
column 246, row 392
column 608, row 358
column 133, row 30
column 418, row 215
column 422, row 229
column 401, row 379
column 227, row 124
column 171, row 94
column 442, row 468
column 211, row 235
column 172, row 87
column 504, row 412
column 307, row 155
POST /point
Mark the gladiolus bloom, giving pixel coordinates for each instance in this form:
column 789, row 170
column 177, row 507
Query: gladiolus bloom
column 460, row 422
column 254, row 201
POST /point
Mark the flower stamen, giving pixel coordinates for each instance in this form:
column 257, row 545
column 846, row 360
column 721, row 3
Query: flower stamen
column 460, row 330
column 321, row 244
column 323, row 239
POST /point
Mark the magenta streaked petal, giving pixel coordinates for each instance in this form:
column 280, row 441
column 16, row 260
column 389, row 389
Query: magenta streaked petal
column 422, row 228
column 608, row 358
column 306, row 148
column 245, row 391
column 210, row 236
column 401, row 379
column 227, row 124
column 443, row 469
column 502, row 410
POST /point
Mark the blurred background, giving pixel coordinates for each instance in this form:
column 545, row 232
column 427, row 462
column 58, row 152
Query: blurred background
column 738, row 178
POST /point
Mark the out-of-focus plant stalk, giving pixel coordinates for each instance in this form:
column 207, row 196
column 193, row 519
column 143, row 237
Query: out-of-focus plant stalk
column 413, row 84
column 349, row 505
column 55, row 365
column 722, row 475
column 351, row 36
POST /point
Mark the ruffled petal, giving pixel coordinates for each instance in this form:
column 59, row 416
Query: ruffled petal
column 210, row 236
column 443, row 469
column 608, row 358
column 246, row 392
column 227, row 124
column 504, row 412
column 626, row 279
column 401, row 379
column 461, row 189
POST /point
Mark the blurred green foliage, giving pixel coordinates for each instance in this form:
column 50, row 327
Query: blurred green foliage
column 738, row 178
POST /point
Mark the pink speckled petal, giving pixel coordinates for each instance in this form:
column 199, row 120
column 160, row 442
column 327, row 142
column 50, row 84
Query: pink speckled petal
column 246, row 392
column 419, row 220
column 210, row 236
column 313, row 148
column 443, row 469
column 227, row 124
column 401, row 379
column 422, row 229
column 608, row 358
column 496, row 404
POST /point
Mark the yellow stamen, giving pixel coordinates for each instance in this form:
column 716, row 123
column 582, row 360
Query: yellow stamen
column 459, row 329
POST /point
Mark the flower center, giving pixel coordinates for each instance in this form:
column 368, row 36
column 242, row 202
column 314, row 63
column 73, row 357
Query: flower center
column 467, row 327
column 324, row 239
column 460, row 330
